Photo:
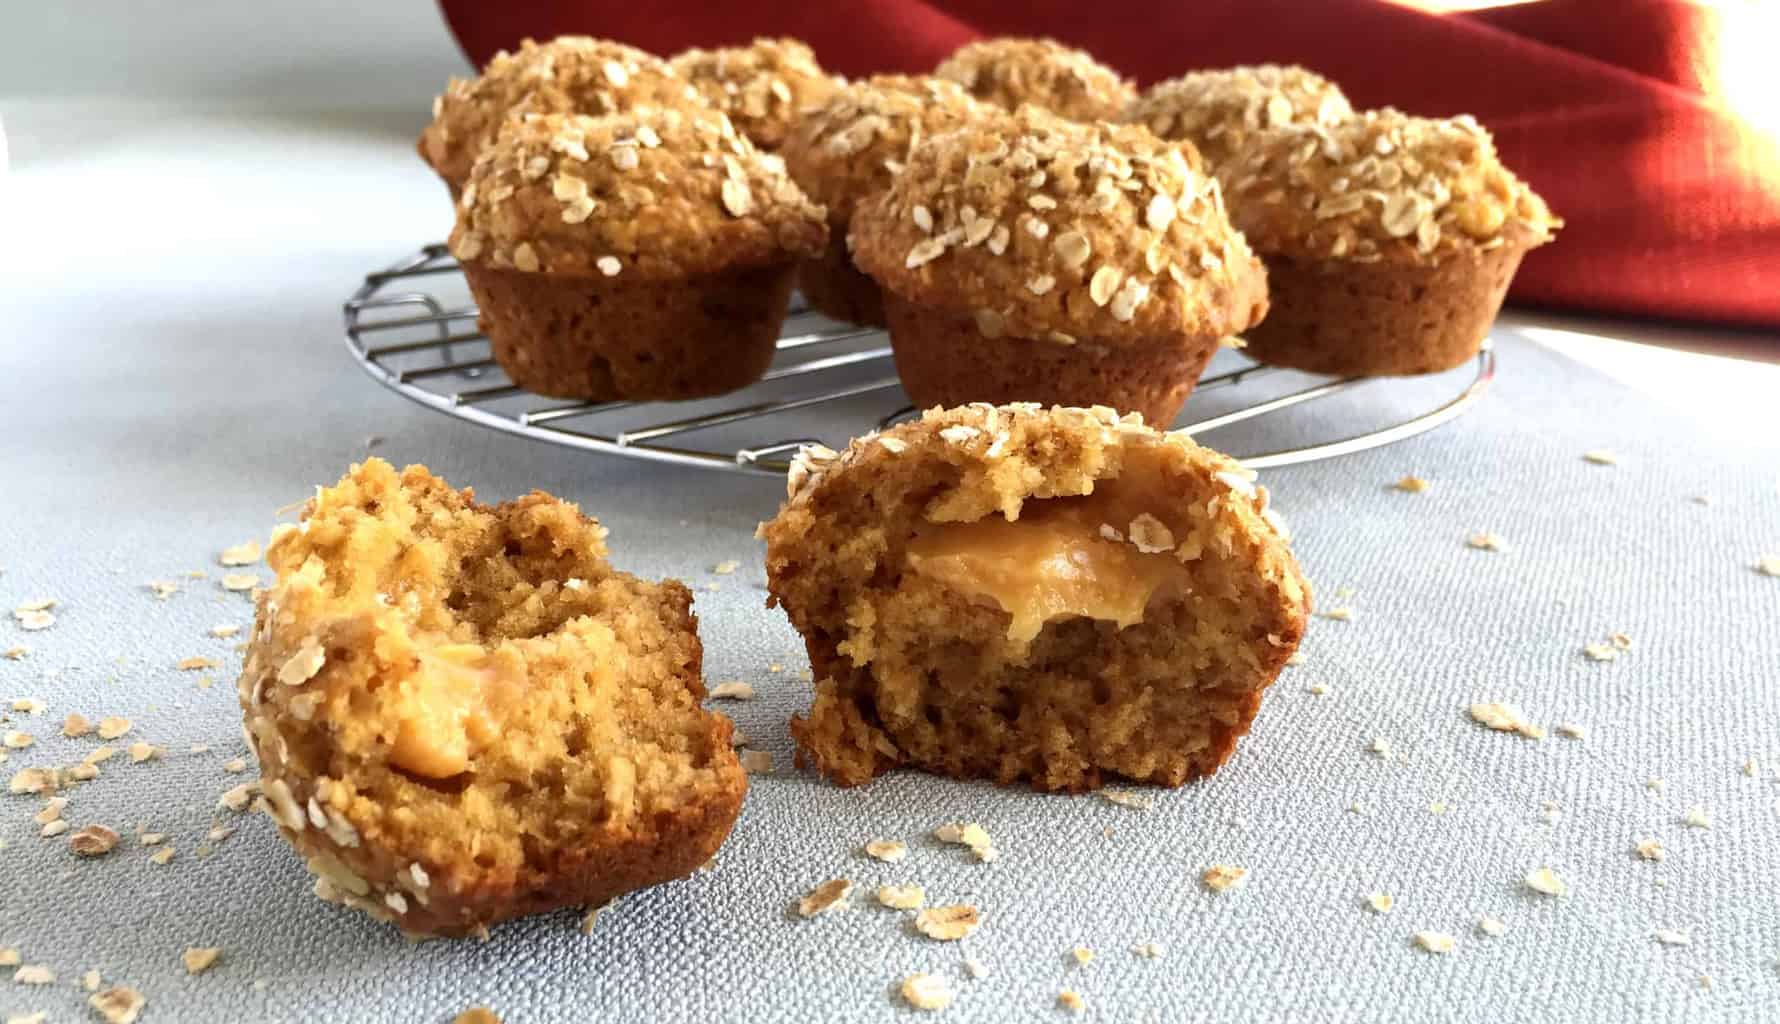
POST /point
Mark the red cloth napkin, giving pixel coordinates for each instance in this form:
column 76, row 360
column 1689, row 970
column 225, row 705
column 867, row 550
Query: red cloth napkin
column 1617, row 111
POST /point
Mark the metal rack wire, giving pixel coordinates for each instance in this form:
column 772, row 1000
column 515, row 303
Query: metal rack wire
column 427, row 349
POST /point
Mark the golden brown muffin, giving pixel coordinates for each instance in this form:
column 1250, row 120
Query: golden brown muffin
column 1390, row 241
column 1030, row 258
column 850, row 148
column 463, row 714
column 1067, row 82
column 567, row 75
column 647, row 255
column 1054, row 597
column 762, row 87
column 1219, row 111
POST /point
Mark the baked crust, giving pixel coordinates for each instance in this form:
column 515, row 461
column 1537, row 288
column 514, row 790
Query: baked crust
column 655, row 194
column 1066, row 81
column 762, row 86
column 1220, row 111
column 911, row 672
column 463, row 714
column 567, row 75
column 1044, row 228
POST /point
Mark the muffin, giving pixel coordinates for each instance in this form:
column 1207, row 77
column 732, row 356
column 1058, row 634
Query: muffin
column 647, row 255
column 1219, row 111
column 1029, row 258
column 568, row 75
column 850, row 148
column 463, row 714
column 1067, row 82
column 1390, row 241
column 762, row 86
column 1050, row 597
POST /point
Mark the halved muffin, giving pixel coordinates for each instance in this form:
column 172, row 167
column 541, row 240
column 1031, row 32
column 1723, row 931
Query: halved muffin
column 463, row 714
column 1010, row 71
column 1056, row 597
column 567, row 75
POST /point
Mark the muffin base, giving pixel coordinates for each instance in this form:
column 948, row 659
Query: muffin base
column 944, row 360
column 1352, row 319
column 611, row 338
column 837, row 288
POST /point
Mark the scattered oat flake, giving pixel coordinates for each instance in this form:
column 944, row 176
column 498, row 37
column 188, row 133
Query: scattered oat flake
column 53, row 829
column 198, row 959
column 1601, row 652
column 1381, row 746
column 93, row 841
column 34, row 974
column 52, row 810
column 239, row 581
column 1341, row 614
column 1436, row 942
column 1486, row 542
column 828, row 896
column 9, row 957
column 1669, row 937
column 473, row 1015
column 235, row 766
column 1572, row 730
column 1768, row 565
column 29, row 705
column 1504, row 717
column 1656, row 785
column 1601, row 457
column 1650, row 849
column 152, row 838
column 1069, row 1000
column 757, row 762
column 902, row 897
column 1381, row 902
column 236, row 798
column 1318, row 689
column 1126, row 798
column 725, row 568
column 33, row 780
column 224, row 632
column 18, row 740
column 732, row 690
column 1149, row 950
column 195, row 664
column 887, row 850
column 17, row 652
column 41, row 604
column 119, row 1004
column 1082, row 955
column 141, row 751
column 162, row 856
column 1223, row 877
column 1411, row 485
column 76, row 725
column 964, row 833
column 927, row 991
column 1697, row 817
column 246, row 553
column 35, row 620
column 976, row 968
column 110, row 728
column 1546, row 881
column 949, row 923
column 1491, row 926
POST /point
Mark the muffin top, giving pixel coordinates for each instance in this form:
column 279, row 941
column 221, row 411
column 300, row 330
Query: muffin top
column 659, row 193
column 762, row 87
column 852, row 145
column 1383, row 185
column 1051, row 229
column 1218, row 111
column 568, row 75
column 1068, row 82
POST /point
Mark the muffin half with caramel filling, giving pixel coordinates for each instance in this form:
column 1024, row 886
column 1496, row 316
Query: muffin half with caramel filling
column 463, row 714
column 1055, row 597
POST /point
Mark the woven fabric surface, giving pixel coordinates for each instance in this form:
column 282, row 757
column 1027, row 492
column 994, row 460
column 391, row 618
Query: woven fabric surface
column 148, row 432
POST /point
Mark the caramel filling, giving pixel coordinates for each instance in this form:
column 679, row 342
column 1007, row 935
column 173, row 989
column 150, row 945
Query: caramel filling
column 454, row 711
column 1051, row 563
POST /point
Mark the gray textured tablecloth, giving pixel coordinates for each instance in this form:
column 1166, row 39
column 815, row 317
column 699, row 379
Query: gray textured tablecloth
column 165, row 395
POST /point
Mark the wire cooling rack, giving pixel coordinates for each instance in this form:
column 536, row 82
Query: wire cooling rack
column 412, row 327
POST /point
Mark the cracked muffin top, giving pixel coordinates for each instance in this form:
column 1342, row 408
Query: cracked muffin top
column 1219, row 111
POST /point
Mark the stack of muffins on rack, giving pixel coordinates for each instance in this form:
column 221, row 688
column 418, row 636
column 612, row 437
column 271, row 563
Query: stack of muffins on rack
column 1027, row 224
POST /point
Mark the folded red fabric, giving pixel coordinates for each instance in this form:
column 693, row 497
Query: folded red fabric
column 1617, row 111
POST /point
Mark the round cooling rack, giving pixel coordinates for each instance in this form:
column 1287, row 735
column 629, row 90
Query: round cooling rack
column 412, row 327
